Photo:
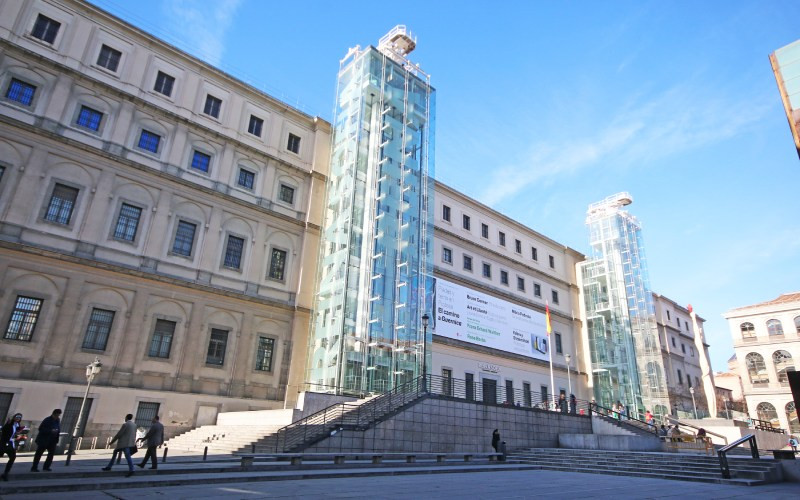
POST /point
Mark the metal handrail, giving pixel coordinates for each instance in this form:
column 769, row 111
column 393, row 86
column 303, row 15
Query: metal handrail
column 607, row 412
column 679, row 423
column 766, row 425
column 723, row 453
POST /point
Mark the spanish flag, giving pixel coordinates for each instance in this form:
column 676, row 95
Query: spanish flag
column 547, row 318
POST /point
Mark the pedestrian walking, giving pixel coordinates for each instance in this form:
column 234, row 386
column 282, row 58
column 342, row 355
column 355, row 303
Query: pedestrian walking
column 126, row 444
column 562, row 403
column 793, row 443
column 47, row 440
column 662, row 431
column 153, row 439
column 495, row 439
column 573, row 404
column 8, row 440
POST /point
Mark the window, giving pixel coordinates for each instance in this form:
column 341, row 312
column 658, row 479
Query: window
column 783, row 365
column 246, row 178
column 554, row 294
column 748, row 331
column 518, row 246
column 201, row 161
column 774, row 327
column 756, row 369
column 164, row 83
column 691, row 350
column 70, row 416
column 161, row 344
column 233, row 252
column 680, row 377
column 510, row 391
column 61, row 205
column 520, row 283
column 89, row 118
column 526, row 394
column 467, row 263
column 678, row 320
column 674, row 344
column 504, row 277
column 255, row 125
column 447, row 255
column 23, row 318
column 98, row 329
column 469, row 382
column 45, row 29
column 212, row 106
column 145, row 414
column 277, row 265
column 294, row 144
column 796, row 320
column 683, row 347
column 446, row 213
column 791, row 417
column 686, row 324
column 184, row 238
column 465, row 222
column 668, row 315
column 266, row 348
column 485, row 230
column 559, row 349
column 534, row 253
column 697, row 381
column 689, row 380
column 286, row 194
column 537, row 290
column 543, row 393
column 552, row 261
column 502, row 237
column 447, row 382
column 766, row 411
column 127, row 222
column 487, row 270
column 21, row 92
column 216, row 347
column 109, row 58
column 149, row 141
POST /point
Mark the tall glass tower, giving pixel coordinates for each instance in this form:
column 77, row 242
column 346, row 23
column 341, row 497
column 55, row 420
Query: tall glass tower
column 620, row 316
column 375, row 272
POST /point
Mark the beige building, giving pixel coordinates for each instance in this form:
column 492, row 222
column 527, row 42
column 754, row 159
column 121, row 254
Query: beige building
column 484, row 251
column 155, row 213
column 682, row 349
column 766, row 338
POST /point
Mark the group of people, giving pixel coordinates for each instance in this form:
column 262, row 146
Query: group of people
column 50, row 430
column 565, row 406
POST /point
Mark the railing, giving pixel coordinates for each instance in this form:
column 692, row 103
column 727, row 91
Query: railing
column 340, row 416
column 684, row 424
column 723, row 453
column 765, row 425
column 626, row 419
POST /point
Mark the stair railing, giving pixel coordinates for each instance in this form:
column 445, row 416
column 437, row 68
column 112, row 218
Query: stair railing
column 696, row 428
column 624, row 418
column 723, row 453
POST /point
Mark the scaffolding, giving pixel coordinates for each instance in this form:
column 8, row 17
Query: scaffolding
column 626, row 360
column 375, row 272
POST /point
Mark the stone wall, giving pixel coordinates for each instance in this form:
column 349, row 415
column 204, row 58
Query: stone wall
column 444, row 425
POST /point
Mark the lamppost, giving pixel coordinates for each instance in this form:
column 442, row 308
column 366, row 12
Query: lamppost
column 425, row 319
column 567, row 357
column 691, row 391
column 92, row 370
column 727, row 410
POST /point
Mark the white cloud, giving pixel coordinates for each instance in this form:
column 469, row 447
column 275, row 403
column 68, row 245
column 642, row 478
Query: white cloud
column 201, row 26
column 682, row 118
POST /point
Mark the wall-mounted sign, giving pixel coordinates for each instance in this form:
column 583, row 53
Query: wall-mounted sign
column 478, row 318
column 489, row 367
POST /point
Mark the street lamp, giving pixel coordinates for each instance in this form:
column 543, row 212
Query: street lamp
column 725, row 400
column 92, row 370
column 694, row 405
column 425, row 319
column 567, row 357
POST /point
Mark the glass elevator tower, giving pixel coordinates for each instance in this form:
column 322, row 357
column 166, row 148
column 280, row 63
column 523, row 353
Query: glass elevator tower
column 620, row 314
column 375, row 269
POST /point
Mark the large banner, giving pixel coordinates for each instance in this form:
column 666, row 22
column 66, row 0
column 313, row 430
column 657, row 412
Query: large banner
column 475, row 317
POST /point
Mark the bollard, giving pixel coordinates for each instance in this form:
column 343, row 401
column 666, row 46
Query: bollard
column 94, row 442
column 164, row 458
column 205, row 453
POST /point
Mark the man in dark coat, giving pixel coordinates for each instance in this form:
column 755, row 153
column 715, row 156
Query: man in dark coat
column 154, row 438
column 8, row 442
column 47, row 439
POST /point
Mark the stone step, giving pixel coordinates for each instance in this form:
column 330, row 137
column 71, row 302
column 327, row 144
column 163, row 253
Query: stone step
column 632, row 463
column 705, row 478
column 618, row 459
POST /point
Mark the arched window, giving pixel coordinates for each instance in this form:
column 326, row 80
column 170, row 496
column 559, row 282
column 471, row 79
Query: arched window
column 774, row 327
column 756, row 369
column 791, row 417
column 748, row 330
column 783, row 364
column 767, row 412
column 797, row 324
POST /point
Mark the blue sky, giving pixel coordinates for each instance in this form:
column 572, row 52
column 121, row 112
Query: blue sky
column 545, row 107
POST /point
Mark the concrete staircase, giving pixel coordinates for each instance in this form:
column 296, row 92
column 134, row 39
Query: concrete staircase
column 222, row 439
column 682, row 467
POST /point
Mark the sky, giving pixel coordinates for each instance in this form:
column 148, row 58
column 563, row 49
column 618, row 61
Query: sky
column 545, row 107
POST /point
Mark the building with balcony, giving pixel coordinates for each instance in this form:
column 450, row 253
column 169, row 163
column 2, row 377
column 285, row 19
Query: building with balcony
column 766, row 339
column 155, row 213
